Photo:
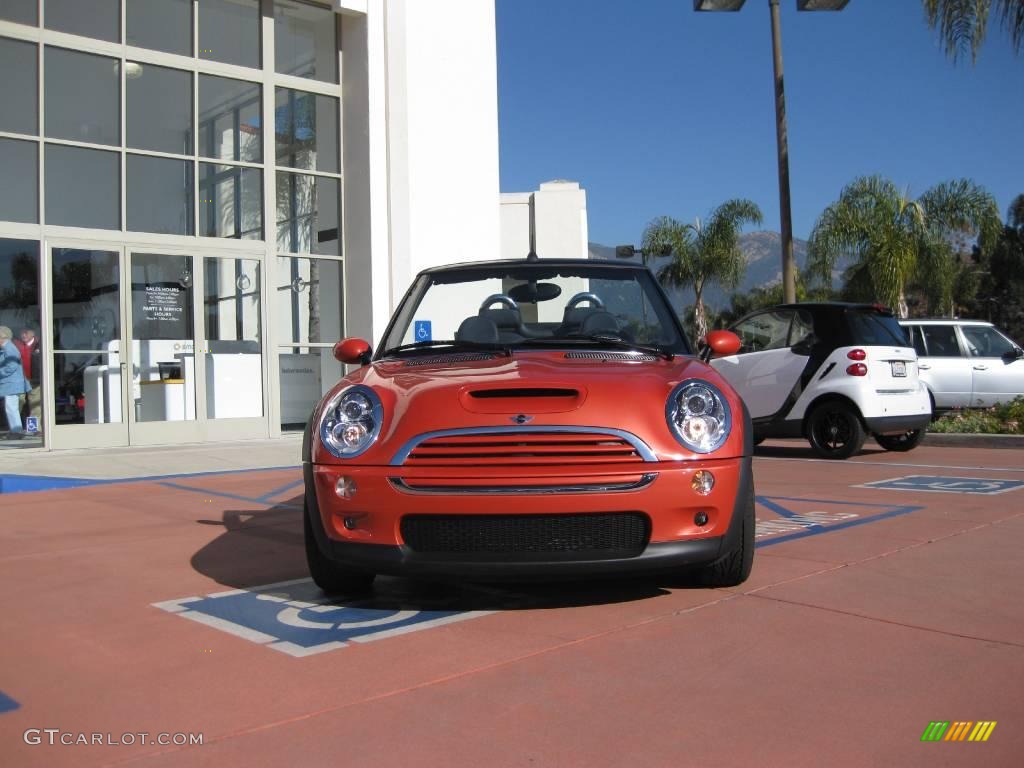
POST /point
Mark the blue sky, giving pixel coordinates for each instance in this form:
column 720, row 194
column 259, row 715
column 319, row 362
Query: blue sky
column 657, row 110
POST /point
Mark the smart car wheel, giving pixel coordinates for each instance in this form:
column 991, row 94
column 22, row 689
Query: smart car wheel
column 733, row 569
column 834, row 431
column 328, row 575
column 905, row 442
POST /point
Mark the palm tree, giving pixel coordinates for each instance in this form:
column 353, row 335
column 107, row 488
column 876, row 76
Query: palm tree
column 962, row 23
column 895, row 239
column 702, row 252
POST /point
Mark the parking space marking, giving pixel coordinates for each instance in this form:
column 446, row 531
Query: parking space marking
column 296, row 618
column 794, row 525
column 972, row 486
column 887, row 464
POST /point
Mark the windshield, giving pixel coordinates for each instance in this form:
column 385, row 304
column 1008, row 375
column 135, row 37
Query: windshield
column 536, row 306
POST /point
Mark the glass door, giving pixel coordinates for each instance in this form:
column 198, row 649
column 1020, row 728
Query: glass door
column 161, row 320
column 88, row 403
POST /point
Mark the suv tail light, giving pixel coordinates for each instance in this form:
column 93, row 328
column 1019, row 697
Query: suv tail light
column 857, row 354
column 857, row 369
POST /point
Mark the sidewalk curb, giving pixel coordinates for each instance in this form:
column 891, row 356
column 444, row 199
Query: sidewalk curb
column 972, row 440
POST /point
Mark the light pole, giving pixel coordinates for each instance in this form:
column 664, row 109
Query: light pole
column 782, row 141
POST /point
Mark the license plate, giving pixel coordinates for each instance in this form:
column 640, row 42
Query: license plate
column 899, row 368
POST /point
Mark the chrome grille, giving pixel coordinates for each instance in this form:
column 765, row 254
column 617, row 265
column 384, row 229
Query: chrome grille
column 524, row 446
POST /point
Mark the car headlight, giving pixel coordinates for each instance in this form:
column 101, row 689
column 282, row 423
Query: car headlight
column 351, row 421
column 698, row 416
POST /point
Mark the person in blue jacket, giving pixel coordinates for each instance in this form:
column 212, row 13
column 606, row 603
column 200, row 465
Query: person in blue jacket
column 13, row 383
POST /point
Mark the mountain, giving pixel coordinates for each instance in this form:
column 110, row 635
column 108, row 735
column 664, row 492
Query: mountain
column 763, row 253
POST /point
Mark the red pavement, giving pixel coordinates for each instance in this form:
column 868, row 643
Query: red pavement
column 838, row 651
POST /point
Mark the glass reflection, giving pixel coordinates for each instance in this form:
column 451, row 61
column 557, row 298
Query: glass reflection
column 230, row 202
column 229, row 119
column 233, row 355
column 86, row 318
column 307, row 214
column 19, row 313
column 305, row 41
column 306, row 130
column 83, row 101
column 229, row 31
column 310, row 300
column 163, row 25
column 19, row 95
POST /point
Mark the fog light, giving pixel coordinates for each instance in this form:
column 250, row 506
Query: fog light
column 350, row 523
column 703, row 481
column 701, row 519
column 345, row 488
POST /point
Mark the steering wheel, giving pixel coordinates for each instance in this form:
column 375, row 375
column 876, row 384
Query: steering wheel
column 498, row 298
column 593, row 298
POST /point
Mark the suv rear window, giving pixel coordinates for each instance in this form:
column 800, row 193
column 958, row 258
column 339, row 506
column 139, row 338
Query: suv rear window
column 873, row 328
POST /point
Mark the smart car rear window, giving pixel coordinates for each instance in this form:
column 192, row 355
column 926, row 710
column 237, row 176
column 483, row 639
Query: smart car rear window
column 873, row 328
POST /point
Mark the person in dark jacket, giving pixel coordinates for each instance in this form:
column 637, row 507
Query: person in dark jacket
column 13, row 383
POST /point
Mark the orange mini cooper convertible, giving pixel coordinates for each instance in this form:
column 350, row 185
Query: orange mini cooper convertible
column 530, row 419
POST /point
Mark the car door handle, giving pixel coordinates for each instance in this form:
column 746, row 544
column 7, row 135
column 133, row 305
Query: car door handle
column 981, row 367
column 921, row 367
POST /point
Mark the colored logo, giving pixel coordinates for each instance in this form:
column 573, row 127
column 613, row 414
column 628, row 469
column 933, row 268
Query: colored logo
column 943, row 730
column 522, row 418
column 423, row 330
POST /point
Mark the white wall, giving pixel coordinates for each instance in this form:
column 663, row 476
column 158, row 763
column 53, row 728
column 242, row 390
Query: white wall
column 552, row 220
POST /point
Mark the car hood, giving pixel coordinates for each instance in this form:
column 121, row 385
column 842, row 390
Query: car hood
column 529, row 390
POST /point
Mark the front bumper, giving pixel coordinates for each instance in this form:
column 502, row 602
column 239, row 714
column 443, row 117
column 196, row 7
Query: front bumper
column 365, row 531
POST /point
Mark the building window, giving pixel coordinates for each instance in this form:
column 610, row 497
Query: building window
column 307, row 213
column 20, row 11
column 19, row 87
column 159, row 108
column 19, row 312
column 234, row 359
column 83, row 101
column 229, row 119
column 305, row 43
column 229, row 31
column 100, row 19
column 83, row 187
column 163, row 25
column 306, row 130
column 159, row 195
column 230, row 201
column 19, row 194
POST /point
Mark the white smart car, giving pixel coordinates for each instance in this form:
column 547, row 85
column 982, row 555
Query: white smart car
column 832, row 373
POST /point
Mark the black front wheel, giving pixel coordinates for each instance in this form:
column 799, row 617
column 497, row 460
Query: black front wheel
column 834, row 431
column 905, row 442
column 332, row 578
column 733, row 568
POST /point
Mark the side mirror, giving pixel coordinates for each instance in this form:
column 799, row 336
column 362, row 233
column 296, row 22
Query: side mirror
column 720, row 343
column 352, row 351
column 1014, row 354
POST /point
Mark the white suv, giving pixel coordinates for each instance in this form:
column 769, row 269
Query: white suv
column 966, row 363
column 830, row 372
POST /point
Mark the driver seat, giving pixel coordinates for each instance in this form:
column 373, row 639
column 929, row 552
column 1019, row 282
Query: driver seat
column 508, row 321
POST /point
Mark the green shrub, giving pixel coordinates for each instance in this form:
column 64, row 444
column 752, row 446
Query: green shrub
column 1003, row 419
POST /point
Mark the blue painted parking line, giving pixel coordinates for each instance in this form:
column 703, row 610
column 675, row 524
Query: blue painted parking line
column 976, row 486
column 30, row 483
column 225, row 495
column 296, row 618
column 283, row 489
column 7, row 704
column 816, row 518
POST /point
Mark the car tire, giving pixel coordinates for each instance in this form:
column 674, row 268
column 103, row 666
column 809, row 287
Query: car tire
column 732, row 569
column 332, row 578
column 834, row 431
column 905, row 442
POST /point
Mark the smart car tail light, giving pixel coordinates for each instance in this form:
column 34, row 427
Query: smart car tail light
column 857, row 354
column 857, row 369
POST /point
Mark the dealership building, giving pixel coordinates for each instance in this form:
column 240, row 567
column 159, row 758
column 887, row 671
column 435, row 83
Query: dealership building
column 200, row 197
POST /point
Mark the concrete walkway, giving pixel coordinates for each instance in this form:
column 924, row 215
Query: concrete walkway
column 151, row 461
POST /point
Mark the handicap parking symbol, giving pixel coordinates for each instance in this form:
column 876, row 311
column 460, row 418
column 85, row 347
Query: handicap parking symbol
column 422, row 330
column 977, row 486
column 32, row 424
column 296, row 618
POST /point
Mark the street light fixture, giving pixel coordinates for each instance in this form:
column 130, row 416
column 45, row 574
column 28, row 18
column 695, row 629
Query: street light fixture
column 785, row 209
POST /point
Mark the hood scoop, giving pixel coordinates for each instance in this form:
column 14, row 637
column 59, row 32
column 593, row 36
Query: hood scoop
column 491, row 394
column 612, row 357
column 528, row 400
